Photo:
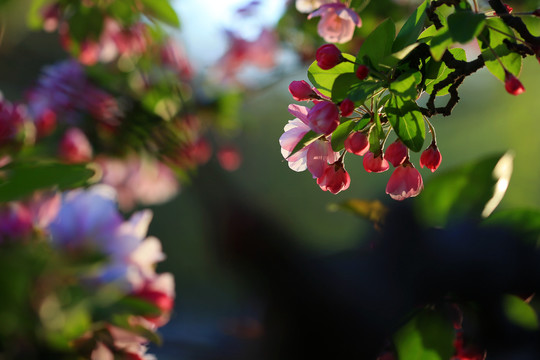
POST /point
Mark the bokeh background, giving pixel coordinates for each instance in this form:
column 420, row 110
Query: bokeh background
column 218, row 313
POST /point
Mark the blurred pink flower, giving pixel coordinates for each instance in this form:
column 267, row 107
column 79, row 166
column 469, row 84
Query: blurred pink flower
column 174, row 57
column 12, row 119
column 15, row 222
column 337, row 22
column 229, row 158
column 259, row 53
column 405, row 182
column 139, row 180
column 75, row 147
column 159, row 291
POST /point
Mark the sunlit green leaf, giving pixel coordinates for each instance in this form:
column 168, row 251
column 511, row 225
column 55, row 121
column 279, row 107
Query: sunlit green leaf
column 363, row 91
column 491, row 42
column 411, row 29
column 465, row 192
column 340, row 134
column 324, row 80
column 405, row 85
column 428, row 336
column 465, row 25
column 378, row 44
column 407, row 122
column 442, row 71
column 341, row 86
column 162, row 11
column 519, row 312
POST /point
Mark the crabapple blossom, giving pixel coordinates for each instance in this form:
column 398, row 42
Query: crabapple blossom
column 405, row 182
column 347, row 107
column 319, row 154
column 431, row 157
column 158, row 291
column 512, row 84
column 335, row 178
column 396, row 153
column 337, row 22
column 362, row 72
column 75, row 147
column 376, row 164
column 357, row 143
column 328, row 56
column 301, row 91
column 323, row 118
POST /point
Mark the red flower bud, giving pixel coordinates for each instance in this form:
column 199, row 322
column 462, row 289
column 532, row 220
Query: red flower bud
column 376, row 164
column 512, row 84
column 75, row 147
column 347, row 107
column 362, row 72
column 536, row 12
column 357, row 143
column 301, row 91
column 328, row 56
column 405, row 182
column 431, row 158
column 396, row 153
column 335, row 178
column 508, row 8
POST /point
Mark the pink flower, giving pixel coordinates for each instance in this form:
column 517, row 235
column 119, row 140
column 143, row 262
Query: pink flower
column 431, row 158
column 334, row 178
column 159, row 291
column 229, row 158
column 314, row 156
column 512, row 84
column 337, row 22
column 323, row 118
column 328, row 56
column 75, row 147
column 175, row 57
column 376, row 164
column 347, row 107
column 362, row 72
column 301, row 91
column 405, row 182
column 357, row 143
column 396, row 153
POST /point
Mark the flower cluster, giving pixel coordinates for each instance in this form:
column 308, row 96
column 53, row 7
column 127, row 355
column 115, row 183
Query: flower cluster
column 318, row 155
column 82, row 222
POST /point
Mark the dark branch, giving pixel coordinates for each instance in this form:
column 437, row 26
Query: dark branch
column 514, row 22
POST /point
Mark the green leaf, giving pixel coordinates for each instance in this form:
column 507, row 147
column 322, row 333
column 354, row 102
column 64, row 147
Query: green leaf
column 378, row 44
column 442, row 71
column 492, row 38
column 428, row 336
column 359, row 5
column 525, row 223
column 440, row 43
column 310, row 137
column 161, row 10
column 469, row 192
column 341, row 86
column 34, row 18
column 393, row 59
column 324, row 80
column 465, row 25
column 411, row 29
column 19, row 180
column 407, row 122
column 360, row 93
column 519, row 312
column 405, row 85
column 374, row 137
